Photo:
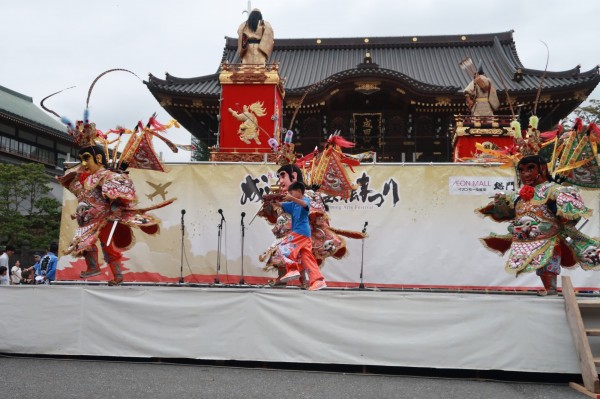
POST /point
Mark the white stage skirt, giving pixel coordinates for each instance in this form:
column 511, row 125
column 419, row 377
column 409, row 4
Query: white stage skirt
column 385, row 328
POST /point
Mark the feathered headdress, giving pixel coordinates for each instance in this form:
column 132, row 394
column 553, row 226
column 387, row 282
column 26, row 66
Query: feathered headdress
column 285, row 154
column 573, row 154
column 531, row 143
column 138, row 152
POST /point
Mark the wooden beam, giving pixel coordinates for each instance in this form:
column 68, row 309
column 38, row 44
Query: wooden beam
column 580, row 339
column 589, row 303
column 584, row 391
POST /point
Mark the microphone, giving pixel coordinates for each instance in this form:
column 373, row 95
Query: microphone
column 183, row 211
column 364, row 230
column 221, row 213
column 243, row 214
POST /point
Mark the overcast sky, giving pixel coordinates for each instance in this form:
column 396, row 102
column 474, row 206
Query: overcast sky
column 50, row 45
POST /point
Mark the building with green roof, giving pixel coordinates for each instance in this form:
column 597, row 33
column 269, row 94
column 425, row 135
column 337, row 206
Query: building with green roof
column 29, row 134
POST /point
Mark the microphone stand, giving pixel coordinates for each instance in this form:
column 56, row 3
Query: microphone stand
column 362, row 258
column 220, row 229
column 243, row 228
column 182, row 241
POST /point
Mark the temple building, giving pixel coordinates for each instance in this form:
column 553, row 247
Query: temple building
column 397, row 96
column 29, row 134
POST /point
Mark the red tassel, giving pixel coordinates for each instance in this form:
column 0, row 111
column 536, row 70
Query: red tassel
column 341, row 142
column 578, row 125
column 350, row 162
column 307, row 158
column 547, row 136
column 156, row 124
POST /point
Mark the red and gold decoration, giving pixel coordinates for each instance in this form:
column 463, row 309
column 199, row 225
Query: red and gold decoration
column 251, row 104
column 327, row 169
column 474, row 134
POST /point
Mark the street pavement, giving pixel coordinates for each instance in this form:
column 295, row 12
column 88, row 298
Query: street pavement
column 33, row 377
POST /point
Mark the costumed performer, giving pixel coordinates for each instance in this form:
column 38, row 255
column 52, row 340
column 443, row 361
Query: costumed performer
column 105, row 212
column 327, row 241
column 105, row 193
column 255, row 39
column 542, row 216
column 296, row 247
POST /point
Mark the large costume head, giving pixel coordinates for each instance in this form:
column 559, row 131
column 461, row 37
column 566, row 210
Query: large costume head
column 533, row 170
column 92, row 158
column 289, row 174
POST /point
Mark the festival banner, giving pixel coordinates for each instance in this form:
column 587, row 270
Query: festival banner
column 480, row 185
column 423, row 231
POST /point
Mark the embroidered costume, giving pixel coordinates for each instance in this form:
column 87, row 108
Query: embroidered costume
column 542, row 229
column 327, row 241
column 105, row 200
column 543, row 215
column 105, row 193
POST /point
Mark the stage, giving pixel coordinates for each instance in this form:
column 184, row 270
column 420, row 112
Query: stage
column 509, row 332
column 442, row 300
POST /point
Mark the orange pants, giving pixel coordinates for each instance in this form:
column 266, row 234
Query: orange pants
column 296, row 251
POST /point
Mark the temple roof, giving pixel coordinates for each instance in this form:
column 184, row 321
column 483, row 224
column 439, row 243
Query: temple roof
column 20, row 108
column 424, row 63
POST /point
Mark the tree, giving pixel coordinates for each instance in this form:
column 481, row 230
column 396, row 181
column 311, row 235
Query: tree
column 200, row 151
column 29, row 215
column 589, row 113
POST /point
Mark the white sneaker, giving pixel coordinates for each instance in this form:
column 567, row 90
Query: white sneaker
column 289, row 276
column 317, row 285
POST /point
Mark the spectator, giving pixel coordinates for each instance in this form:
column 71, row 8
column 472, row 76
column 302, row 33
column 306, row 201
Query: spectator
column 16, row 275
column 4, row 258
column 29, row 272
column 3, row 275
column 45, row 269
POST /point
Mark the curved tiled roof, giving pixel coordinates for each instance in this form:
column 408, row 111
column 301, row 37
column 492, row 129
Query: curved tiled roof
column 20, row 108
column 206, row 85
column 425, row 63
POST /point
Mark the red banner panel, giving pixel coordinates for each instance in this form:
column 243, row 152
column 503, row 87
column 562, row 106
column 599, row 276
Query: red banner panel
column 251, row 111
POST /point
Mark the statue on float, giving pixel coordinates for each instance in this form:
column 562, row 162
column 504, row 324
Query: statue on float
column 255, row 39
column 106, row 210
column 481, row 95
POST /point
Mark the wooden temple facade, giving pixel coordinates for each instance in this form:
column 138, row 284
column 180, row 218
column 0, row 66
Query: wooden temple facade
column 397, row 96
column 29, row 134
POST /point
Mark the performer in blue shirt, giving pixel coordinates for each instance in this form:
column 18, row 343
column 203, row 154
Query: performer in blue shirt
column 296, row 247
column 45, row 268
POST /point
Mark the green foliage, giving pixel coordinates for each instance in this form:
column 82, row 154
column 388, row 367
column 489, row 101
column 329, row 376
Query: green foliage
column 589, row 113
column 200, row 151
column 29, row 215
